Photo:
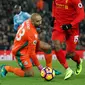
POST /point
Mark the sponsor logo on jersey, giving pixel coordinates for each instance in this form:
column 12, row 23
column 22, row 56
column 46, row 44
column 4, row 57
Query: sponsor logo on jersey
column 62, row 6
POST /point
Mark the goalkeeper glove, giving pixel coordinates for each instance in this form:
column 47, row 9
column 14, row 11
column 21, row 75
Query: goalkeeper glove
column 66, row 26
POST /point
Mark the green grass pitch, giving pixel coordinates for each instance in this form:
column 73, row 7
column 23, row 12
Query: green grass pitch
column 12, row 79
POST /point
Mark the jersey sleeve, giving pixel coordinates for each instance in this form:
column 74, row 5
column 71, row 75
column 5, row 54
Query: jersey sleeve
column 15, row 23
column 27, row 15
column 80, row 11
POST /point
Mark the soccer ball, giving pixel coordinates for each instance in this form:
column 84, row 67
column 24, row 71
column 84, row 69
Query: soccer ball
column 47, row 73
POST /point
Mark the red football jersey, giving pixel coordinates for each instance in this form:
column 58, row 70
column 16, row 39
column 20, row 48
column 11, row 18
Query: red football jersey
column 67, row 11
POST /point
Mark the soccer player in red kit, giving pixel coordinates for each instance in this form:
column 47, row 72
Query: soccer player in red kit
column 67, row 15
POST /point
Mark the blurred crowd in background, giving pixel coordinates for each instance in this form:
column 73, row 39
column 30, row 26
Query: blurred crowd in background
column 43, row 7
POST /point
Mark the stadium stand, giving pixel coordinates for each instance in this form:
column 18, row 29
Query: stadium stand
column 41, row 6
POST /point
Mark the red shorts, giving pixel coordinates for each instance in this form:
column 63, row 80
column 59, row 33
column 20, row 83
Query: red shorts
column 70, row 37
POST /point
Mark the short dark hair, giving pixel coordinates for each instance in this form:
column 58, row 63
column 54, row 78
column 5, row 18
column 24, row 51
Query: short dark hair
column 17, row 6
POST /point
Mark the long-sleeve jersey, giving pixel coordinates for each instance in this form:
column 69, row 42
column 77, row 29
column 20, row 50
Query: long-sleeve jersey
column 26, row 38
column 67, row 11
column 19, row 19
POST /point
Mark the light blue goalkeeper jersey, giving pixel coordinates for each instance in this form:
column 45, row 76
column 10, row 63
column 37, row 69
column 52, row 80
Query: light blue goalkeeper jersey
column 18, row 19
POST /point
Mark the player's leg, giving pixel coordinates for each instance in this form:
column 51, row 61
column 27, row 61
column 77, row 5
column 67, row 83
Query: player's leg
column 32, row 62
column 25, row 69
column 17, row 71
column 71, row 46
column 58, row 38
column 36, row 61
column 48, row 55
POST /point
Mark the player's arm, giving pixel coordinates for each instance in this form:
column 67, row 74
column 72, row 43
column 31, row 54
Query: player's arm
column 80, row 11
column 15, row 23
column 35, row 59
column 80, row 14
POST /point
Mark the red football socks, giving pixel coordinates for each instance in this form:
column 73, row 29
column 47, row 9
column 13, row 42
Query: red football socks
column 61, row 57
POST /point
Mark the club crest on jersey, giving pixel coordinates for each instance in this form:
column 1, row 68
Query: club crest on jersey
column 80, row 5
